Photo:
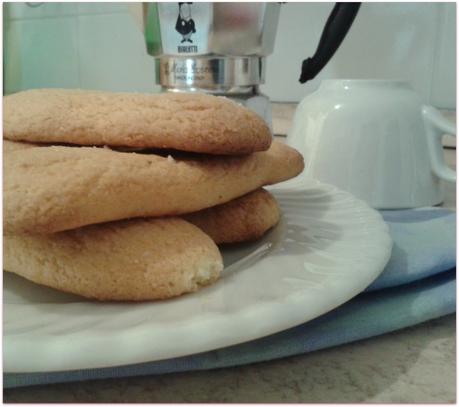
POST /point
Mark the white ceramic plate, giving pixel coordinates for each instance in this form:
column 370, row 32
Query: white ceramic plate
column 327, row 248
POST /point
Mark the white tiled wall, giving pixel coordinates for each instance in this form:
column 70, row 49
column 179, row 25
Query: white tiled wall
column 387, row 40
column 444, row 73
column 119, row 66
column 86, row 45
column 28, row 61
column 98, row 46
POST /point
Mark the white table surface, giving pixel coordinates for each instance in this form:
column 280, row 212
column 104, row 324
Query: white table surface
column 413, row 365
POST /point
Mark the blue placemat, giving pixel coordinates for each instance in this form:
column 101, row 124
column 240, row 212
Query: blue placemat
column 418, row 284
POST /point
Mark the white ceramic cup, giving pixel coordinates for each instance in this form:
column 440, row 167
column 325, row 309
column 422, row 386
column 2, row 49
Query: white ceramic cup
column 375, row 139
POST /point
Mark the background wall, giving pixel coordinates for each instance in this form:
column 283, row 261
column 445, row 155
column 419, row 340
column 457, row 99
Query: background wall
column 98, row 46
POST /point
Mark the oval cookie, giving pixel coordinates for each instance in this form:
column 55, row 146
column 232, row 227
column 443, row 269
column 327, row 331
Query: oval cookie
column 188, row 122
column 50, row 189
column 124, row 261
column 242, row 219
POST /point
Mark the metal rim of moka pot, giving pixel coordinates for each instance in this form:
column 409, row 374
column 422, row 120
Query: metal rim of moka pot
column 212, row 73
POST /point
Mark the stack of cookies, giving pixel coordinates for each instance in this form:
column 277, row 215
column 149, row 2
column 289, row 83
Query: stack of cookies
column 119, row 196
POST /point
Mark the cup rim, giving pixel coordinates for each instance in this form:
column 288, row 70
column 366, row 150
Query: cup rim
column 353, row 83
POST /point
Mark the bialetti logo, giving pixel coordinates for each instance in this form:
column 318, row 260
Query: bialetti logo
column 186, row 28
column 187, row 48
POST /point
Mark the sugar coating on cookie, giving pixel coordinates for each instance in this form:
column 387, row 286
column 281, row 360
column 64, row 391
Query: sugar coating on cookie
column 188, row 122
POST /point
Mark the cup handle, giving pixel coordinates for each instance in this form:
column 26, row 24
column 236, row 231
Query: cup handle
column 437, row 126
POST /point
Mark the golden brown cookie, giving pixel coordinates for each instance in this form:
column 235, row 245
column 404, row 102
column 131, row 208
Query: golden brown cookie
column 188, row 122
column 50, row 189
column 242, row 219
column 127, row 261
column 106, row 261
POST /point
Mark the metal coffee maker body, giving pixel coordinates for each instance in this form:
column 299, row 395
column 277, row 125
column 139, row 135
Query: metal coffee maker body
column 217, row 48
column 221, row 48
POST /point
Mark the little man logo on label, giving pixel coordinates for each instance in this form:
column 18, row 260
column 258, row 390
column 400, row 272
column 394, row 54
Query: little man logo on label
column 186, row 28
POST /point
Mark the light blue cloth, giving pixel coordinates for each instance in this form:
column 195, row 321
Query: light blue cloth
column 418, row 284
column 424, row 245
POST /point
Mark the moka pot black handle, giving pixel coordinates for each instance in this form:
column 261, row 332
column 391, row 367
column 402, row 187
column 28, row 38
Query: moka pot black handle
column 336, row 28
